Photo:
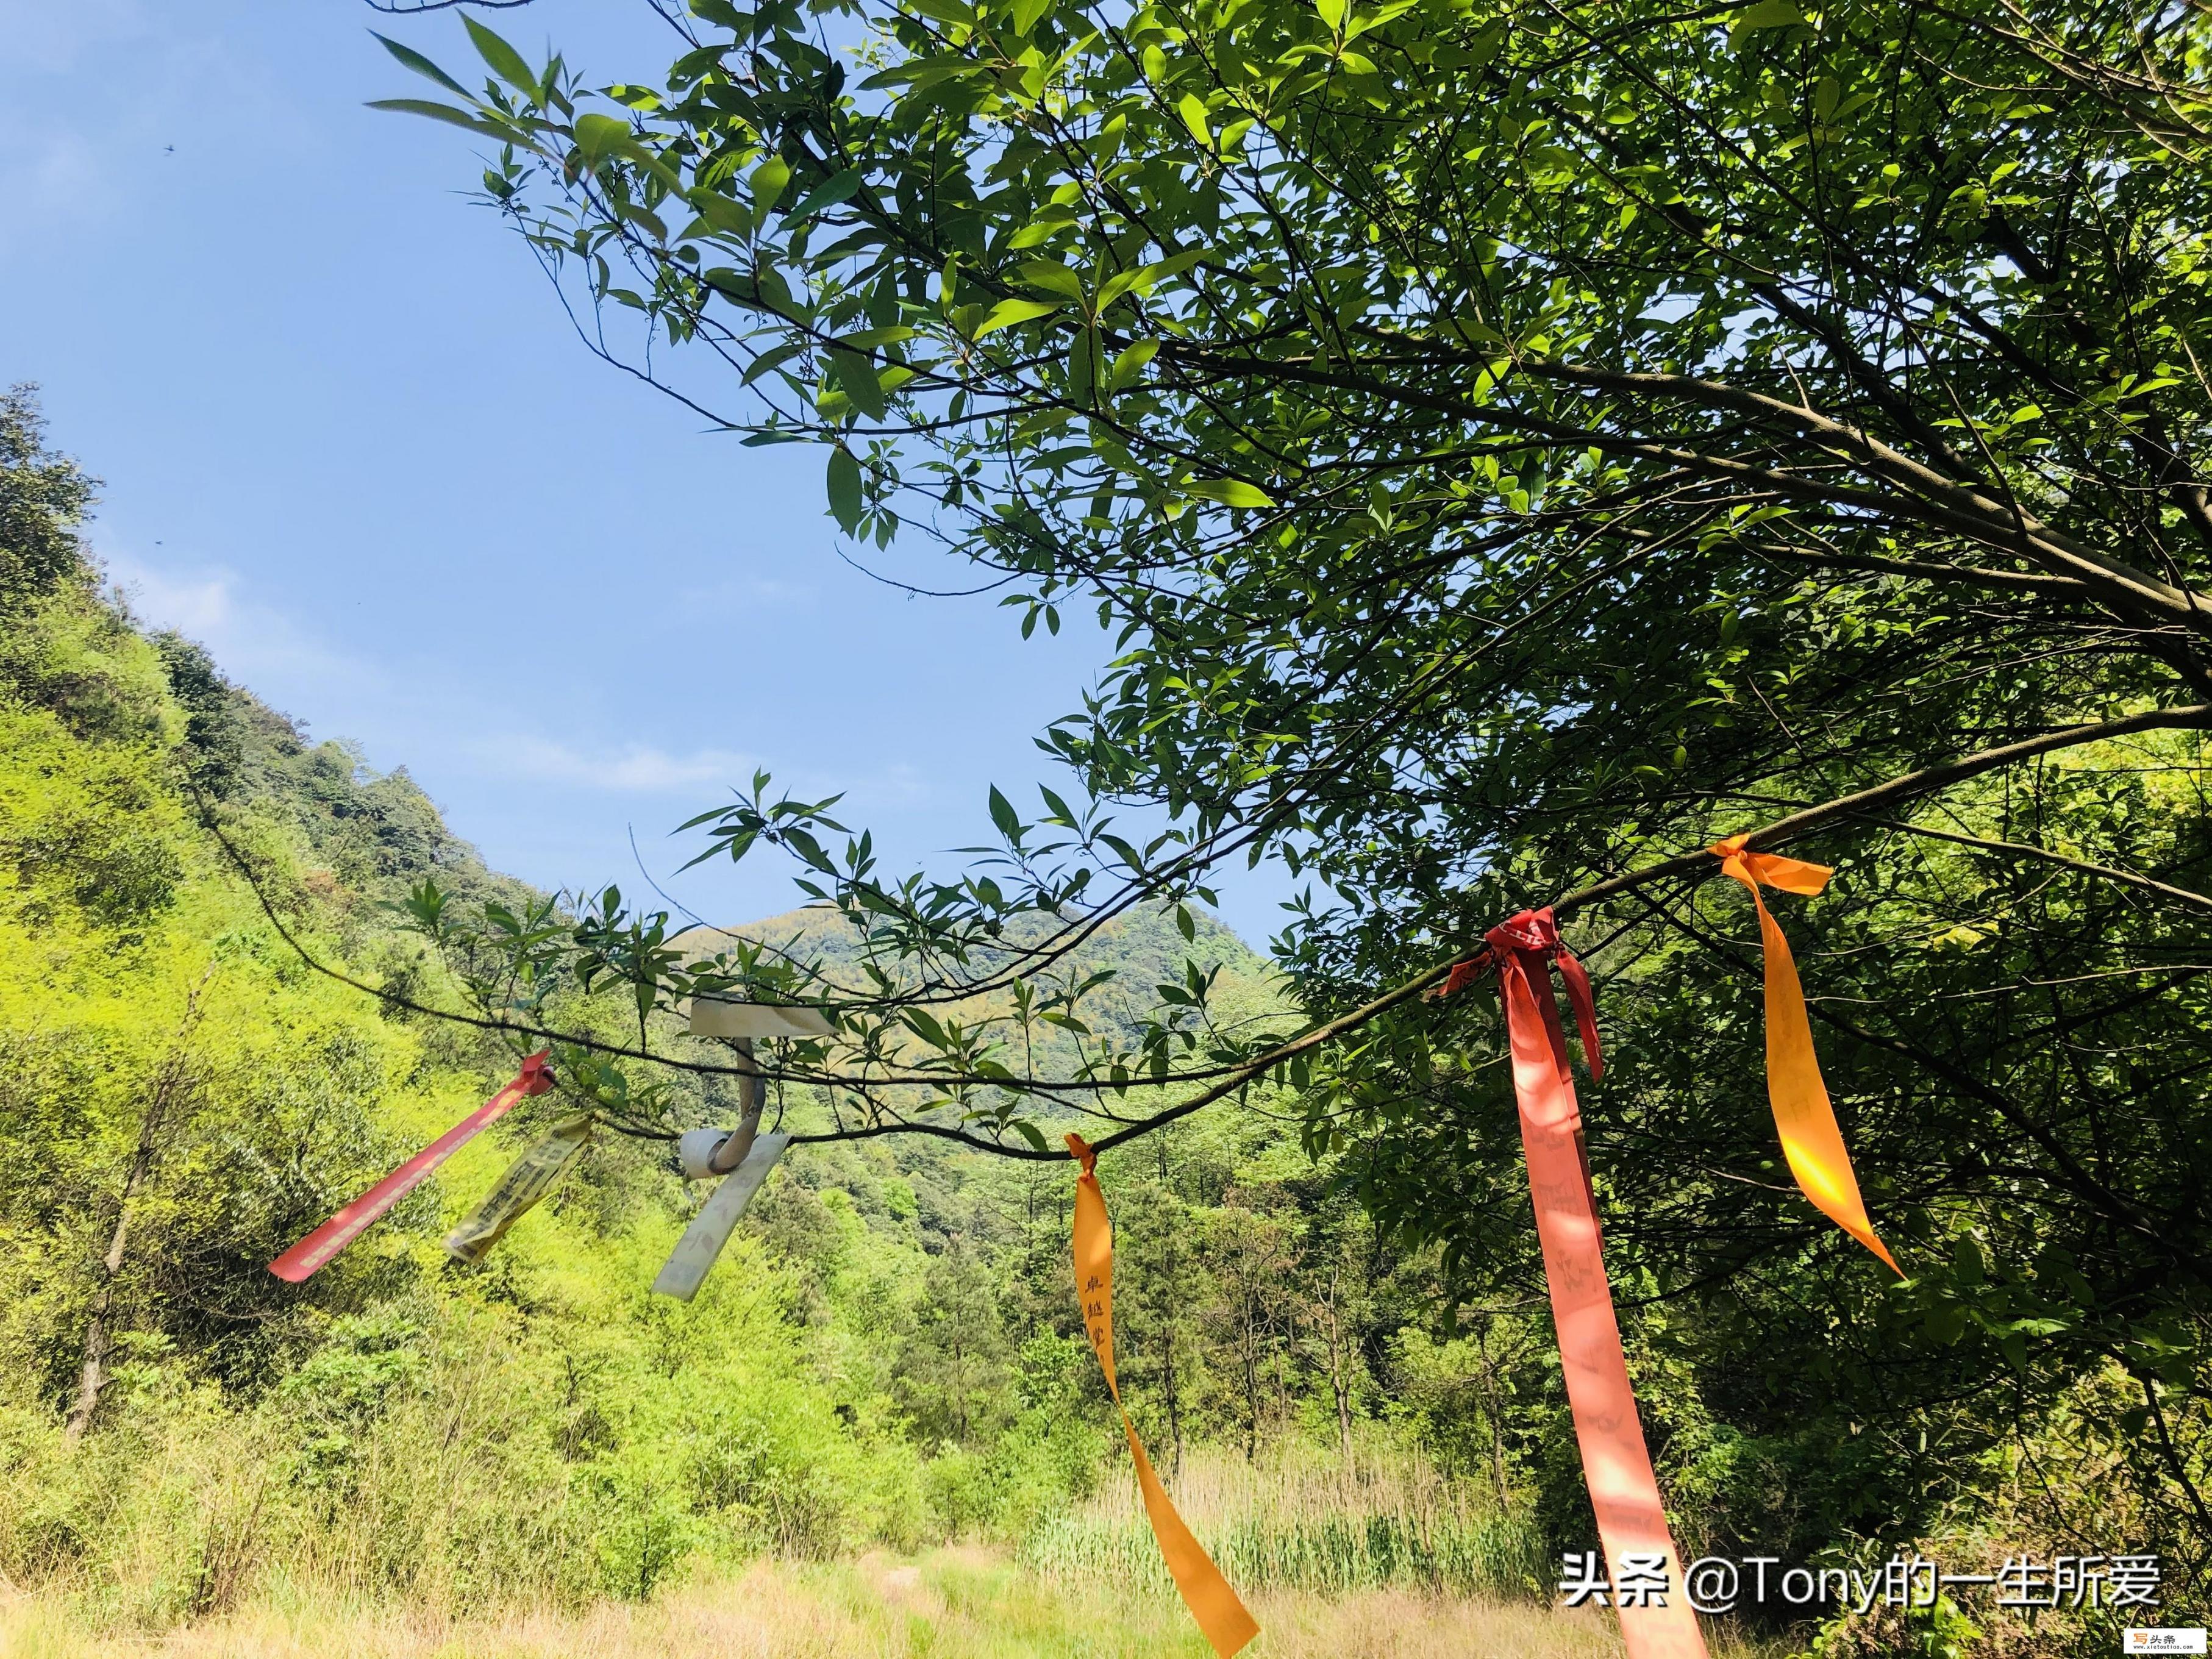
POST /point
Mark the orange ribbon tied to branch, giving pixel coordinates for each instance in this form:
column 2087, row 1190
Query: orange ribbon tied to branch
column 1802, row 1112
column 1655, row 1623
column 1220, row 1616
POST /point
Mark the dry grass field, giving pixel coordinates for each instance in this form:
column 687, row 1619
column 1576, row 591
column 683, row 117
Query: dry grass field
column 952, row 1604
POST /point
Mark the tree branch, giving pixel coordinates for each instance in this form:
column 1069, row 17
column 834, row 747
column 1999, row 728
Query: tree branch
column 1230, row 1080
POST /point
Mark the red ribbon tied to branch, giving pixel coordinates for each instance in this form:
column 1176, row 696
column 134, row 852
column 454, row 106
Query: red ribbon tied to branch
column 1526, row 945
column 1631, row 1521
column 317, row 1248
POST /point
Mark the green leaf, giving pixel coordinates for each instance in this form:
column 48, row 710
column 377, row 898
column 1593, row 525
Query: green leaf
column 868, row 339
column 1007, row 313
column 1003, row 815
column 770, row 180
column 1028, row 1132
column 1229, row 492
column 1083, row 366
column 769, row 361
column 460, row 117
column 1129, row 364
column 1765, row 14
column 422, row 65
column 856, row 377
column 718, row 212
column 1138, row 281
column 1191, row 108
column 845, row 498
column 829, row 194
column 505, row 60
column 598, row 136
column 1052, row 278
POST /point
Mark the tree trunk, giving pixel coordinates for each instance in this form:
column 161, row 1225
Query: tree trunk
column 1339, row 1377
column 93, row 1375
column 1493, row 1413
column 1251, row 1356
column 1173, row 1399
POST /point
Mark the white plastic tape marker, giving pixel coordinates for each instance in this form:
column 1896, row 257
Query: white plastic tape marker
column 694, row 1254
column 694, row 1147
column 714, row 1016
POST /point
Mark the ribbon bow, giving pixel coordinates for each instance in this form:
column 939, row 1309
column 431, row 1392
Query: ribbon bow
column 1632, row 1521
column 1803, row 1113
column 1525, row 946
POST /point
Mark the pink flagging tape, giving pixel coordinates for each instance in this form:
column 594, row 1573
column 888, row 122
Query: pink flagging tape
column 313, row 1251
column 1632, row 1523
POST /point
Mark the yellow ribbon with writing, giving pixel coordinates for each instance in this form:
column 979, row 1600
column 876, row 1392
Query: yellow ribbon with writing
column 1810, row 1140
column 527, row 1180
column 1220, row 1614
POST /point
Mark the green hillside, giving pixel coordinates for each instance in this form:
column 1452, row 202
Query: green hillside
column 889, row 1354
column 1128, row 957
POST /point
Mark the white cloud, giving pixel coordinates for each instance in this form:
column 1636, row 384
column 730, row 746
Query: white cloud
column 52, row 38
column 442, row 727
column 253, row 643
column 200, row 607
column 635, row 769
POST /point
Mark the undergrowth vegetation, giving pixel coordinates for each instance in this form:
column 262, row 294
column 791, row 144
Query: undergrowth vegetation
column 1306, row 1523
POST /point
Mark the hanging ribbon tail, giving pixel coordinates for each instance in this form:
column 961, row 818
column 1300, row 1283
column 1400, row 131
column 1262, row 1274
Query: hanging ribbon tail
column 1222, row 1617
column 1804, row 1117
column 314, row 1251
column 1585, row 1003
column 1624, row 1492
column 1461, row 974
column 528, row 1181
column 700, row 1247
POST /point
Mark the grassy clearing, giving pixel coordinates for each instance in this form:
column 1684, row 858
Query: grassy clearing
column 953, row 1604
column 1299, row 1521
column 1385, row 1561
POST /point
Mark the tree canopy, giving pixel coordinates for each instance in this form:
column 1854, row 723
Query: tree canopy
column 1512, row 446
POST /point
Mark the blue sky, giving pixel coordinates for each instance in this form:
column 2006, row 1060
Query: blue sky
column 350, row 443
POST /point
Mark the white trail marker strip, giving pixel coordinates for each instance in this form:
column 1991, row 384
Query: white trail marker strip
column 696, row 1253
